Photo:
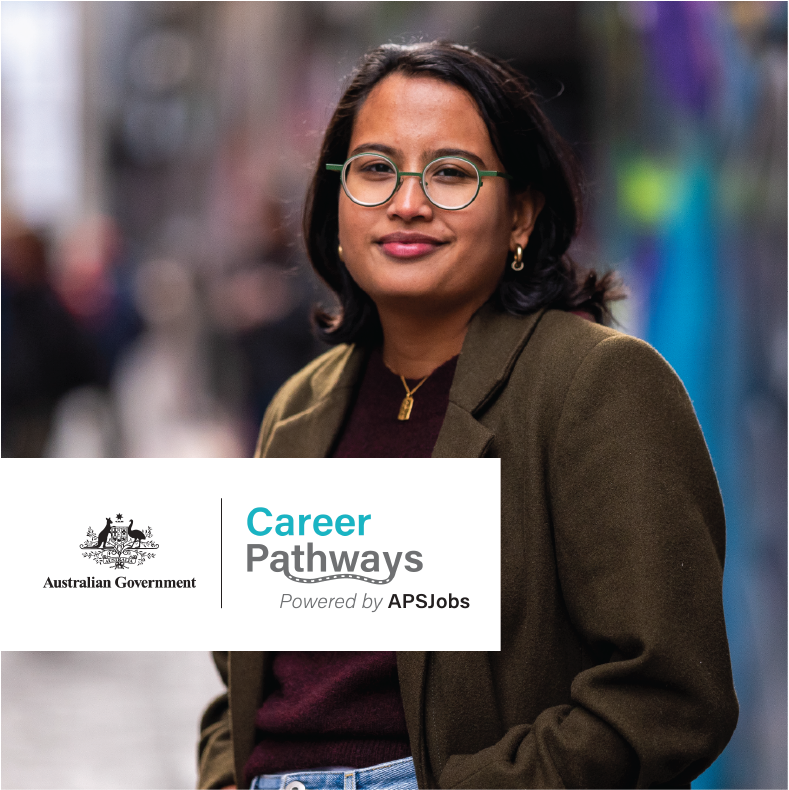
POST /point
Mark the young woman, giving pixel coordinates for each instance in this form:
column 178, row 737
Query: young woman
column 440, row 213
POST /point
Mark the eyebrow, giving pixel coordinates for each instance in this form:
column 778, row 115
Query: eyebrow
column 431, row 155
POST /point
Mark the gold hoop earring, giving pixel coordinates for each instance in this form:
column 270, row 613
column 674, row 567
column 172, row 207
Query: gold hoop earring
column 339, row 253
column 517, row 261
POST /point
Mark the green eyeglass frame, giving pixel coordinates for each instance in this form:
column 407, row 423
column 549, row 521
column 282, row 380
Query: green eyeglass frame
column 421, row 176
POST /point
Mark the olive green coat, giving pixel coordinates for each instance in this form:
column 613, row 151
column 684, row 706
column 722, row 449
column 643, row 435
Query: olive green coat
column 614, row 667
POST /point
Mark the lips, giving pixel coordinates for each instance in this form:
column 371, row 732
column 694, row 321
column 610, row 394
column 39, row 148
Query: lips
column 408, row 245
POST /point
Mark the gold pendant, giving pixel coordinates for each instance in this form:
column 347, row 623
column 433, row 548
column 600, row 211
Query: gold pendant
column 405, row 408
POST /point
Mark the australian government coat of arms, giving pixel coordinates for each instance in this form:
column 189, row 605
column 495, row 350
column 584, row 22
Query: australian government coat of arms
column 119, row 544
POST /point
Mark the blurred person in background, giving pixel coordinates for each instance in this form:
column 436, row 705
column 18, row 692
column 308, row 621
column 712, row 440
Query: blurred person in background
column 46, row 353
column 162, row 389
column 261, row 305
column 92, row 281
column 95, row 287
column 440, row 214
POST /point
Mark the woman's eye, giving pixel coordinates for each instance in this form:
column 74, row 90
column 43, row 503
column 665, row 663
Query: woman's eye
column 381, row 168
column 451, row 172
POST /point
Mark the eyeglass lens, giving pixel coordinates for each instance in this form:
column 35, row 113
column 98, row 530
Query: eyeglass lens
column 449, row 183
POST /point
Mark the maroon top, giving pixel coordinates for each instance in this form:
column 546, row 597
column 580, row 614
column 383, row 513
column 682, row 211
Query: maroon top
column 373, row 430
column 344, row 709
column 330, row 709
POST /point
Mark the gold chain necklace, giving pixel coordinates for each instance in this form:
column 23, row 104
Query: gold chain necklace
column 408, row 401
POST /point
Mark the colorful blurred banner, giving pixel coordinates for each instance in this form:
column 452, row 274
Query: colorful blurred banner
column 698, row 162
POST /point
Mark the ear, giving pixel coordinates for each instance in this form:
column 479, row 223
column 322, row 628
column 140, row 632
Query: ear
column 527, row 208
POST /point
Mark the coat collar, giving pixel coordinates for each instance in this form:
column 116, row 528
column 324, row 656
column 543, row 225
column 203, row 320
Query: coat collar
column 311, row 433
column 491, row 348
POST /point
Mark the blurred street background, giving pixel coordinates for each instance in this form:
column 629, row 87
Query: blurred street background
column 155, row 292
column 104, row 720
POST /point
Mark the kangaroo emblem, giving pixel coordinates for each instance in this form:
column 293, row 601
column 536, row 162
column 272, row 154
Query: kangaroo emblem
column 103, row 535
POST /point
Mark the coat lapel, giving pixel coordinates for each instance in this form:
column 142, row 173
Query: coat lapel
column 245, row 691
column 461, row 435
column 311, row 433
column 411, row 672
column 491, row 348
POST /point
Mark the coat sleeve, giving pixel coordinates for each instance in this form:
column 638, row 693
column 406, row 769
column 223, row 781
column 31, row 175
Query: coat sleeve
column 215, row 750
column 639, row 539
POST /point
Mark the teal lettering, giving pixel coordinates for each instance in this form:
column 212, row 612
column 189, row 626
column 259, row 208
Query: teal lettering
column 302, row 522
column 322, row 521
column 362, row 519
column 280, row 530
column 344, row 521
column 251, row 517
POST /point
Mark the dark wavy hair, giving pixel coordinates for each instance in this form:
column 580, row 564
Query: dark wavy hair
column 531, row 151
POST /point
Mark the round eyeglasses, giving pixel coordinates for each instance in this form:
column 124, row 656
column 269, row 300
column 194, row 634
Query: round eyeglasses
column 449, row 182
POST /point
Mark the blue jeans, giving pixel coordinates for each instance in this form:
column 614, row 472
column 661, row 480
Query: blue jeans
column 397, row 775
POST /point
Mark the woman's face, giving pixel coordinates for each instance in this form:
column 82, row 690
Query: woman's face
column 408, row 253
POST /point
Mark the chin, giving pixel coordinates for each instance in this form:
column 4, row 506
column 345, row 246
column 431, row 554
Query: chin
column 405, row 287
column 397, row 281
column 402, row 295
column 429, row 302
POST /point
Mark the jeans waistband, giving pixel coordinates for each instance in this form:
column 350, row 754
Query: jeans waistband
column 397, row 775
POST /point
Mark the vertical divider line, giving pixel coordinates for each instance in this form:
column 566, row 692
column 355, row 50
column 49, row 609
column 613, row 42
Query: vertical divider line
column 220, row 552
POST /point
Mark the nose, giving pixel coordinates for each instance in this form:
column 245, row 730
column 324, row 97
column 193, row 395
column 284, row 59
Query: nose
column 409, row 201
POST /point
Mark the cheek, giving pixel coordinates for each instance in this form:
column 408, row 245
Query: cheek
column 352, row 226
column 342, row 218
column 350, row 222
column 487, row 238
